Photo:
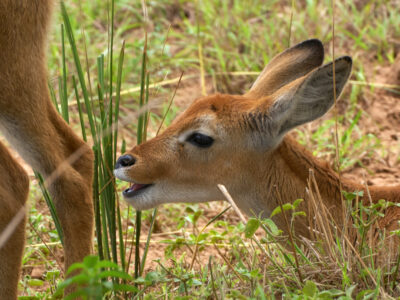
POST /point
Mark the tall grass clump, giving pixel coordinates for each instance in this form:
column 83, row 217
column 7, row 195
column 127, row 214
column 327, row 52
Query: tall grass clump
column 100, row 107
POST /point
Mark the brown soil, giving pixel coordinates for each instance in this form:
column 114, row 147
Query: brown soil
column 382, row 118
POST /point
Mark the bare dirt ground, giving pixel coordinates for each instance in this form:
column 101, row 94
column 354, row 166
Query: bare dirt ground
column 382, row 118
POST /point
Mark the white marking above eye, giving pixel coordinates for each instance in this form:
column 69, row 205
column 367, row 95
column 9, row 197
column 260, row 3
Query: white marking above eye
column 203, row 128
column 184, row 136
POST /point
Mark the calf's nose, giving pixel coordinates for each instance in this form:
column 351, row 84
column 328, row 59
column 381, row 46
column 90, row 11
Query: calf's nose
column 125, row 161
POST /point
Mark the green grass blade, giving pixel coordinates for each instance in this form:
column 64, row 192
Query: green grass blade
column 53, row 97
column 140, row 128
column 78, row 66
column 64, row 103
column 118, row 97
column 115, row 131
column 122, row 249
column 96, row 202
column 137, row 242
column 146, row 247
column 146, row 113
column 110, row 79
column 50, row 204
column 78, row 102
column 103, row 208
column 63, row 85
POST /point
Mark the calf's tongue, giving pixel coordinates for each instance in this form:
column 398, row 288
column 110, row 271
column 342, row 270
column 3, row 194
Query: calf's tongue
column 137, row 186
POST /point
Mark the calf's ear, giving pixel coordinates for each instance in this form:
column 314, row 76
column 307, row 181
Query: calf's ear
column 306, row 98
column 287, row 66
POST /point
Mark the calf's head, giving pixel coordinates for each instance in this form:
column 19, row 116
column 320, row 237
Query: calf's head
column 220, row 138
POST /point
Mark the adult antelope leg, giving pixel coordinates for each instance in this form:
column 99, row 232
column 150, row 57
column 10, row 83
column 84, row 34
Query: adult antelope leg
column 46, row 142
column 34, row 128
column 14, row 187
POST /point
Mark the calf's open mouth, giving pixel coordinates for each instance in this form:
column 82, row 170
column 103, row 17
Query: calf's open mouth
column 135, row 189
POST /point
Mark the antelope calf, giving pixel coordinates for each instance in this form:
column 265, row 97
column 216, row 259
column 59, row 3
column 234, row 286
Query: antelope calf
column 240, row 142
column 34, row 128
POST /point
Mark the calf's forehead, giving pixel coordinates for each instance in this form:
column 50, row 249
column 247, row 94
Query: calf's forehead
column 215, row 107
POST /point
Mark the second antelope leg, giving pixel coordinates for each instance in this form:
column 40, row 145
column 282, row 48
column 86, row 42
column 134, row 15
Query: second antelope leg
column 14, row 187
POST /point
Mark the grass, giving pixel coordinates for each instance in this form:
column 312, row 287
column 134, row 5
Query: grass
column 201, row 251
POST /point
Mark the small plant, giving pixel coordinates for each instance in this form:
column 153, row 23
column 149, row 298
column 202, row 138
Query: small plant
column 91, row 279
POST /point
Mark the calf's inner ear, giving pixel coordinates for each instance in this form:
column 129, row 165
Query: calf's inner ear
column 303, row 100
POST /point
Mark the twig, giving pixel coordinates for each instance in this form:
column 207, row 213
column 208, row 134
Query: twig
column 228, row 197
column 290, row 24
column 170, row 103
column 200, row 54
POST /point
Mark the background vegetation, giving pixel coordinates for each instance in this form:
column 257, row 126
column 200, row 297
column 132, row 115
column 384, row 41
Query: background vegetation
column 206, row 251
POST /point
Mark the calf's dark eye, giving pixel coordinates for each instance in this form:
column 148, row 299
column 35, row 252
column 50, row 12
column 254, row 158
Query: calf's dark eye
column 200, row 140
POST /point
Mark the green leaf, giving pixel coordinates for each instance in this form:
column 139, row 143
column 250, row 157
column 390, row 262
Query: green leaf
column 352, row 195
column 335, row 292
column 310, row 289
column 75, row 295
column 251, row 227
column 350, row 290
column 80, row 279
column 286, row 206
column 272, row 226
column 63, row 285
column 50, row 275
column 201, row 237
column 297, row 202
column 299, row 213
column 114, row 273
column 140, row 280
column 107, row 264
column 125, row 288
column 196, row 282
column 365, row 294
column 74, row 267
column 35, row 282
column 90, row 261
column 152, row 277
